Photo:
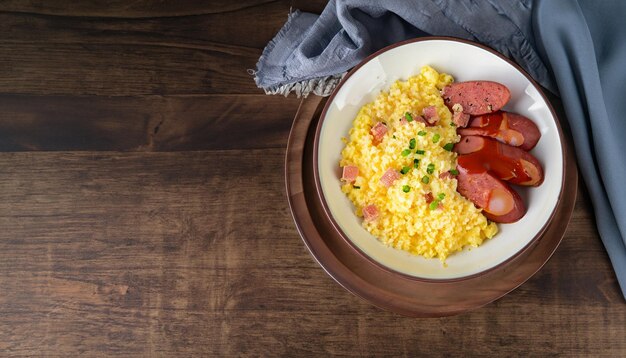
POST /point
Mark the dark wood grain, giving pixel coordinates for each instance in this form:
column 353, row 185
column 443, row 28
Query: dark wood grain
column 143, row 207
column 146, row 123
column 131, row 252
column 208, row 52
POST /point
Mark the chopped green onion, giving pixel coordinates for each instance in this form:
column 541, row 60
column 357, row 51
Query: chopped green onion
column 406, row 188
column 434, row 204
column 419, row 151
column 412, row 143
column 406, row 152
column 421, row 133
column 452, row 124
column 441, row 196
column 454, row 172
column 436, row 138
column 425, row 179
column 394, row 136
column 408, row 117
column 356, row 187
column 405, row 170
column 416, row 163
column 430, row 168
column 448, row 147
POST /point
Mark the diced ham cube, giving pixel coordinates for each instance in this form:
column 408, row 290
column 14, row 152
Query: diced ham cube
column 350, row 172
column 416, row 118
column 445, row 175
column 390, row 176
column 460, row 119
column 429, row 197
column 378, row 132
column 421, row 119
column 430, row 114
column 370, row 212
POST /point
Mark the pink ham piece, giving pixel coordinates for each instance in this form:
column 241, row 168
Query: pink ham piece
column 390, row 176
column 430, row 114
column 403, row 121
column 378, row 132
column 445, row 175
column 370, row 212
column 460, row 119
column 350, row 172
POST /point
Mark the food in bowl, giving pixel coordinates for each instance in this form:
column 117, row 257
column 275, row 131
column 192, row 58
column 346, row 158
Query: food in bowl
column 400, row 165
column 405, row 186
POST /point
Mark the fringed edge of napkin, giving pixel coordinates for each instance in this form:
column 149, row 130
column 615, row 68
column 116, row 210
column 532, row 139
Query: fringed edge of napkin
column 321, row 86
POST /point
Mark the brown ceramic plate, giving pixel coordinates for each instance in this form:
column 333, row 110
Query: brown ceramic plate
column 464, row 60
column 385, row 288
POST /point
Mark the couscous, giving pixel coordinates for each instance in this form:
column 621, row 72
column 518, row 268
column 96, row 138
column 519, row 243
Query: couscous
column 399, row 171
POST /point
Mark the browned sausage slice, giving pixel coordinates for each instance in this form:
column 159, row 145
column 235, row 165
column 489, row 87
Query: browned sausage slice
column 506, row 162
column 509, row 128
column 499, row 202
column 476, row 97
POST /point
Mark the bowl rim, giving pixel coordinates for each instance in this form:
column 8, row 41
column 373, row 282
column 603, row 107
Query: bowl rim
column 317, row 180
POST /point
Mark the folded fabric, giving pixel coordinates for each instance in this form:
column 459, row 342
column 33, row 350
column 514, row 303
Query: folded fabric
column 584, row 42
column 573, row 47
column 312, row 52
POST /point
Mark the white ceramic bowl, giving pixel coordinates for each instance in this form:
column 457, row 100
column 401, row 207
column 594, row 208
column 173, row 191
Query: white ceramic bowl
column 465, row 61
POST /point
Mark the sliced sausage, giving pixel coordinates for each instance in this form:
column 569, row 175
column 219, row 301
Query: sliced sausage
column 476, row 97
column 506, row 162
column 509, row 128
column 499, row 202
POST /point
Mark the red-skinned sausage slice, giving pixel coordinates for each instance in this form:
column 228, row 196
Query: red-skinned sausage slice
column 476, row 97
column 506, row 127
column 499, row 202
column 506, row 162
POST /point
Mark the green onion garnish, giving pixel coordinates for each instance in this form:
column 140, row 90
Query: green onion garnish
column 394, row 136
column 416, row 163
column 425, row 179
column 421, row 133
column 356, row 187
column 419, row 151
column 441, row 196
column 448, row 147
column 412, row 143
column 434, row 204
column 406, row 188
column 452, row 124
column 436, row 138
column 406, row 152
column 408, row 117
column 454, row 172
column 430, row 168
column 405, row 170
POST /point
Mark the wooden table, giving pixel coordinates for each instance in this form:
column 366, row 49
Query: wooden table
column 143, row 208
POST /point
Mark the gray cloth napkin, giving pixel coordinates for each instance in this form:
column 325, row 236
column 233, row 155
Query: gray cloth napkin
column 573, row 47
column 312, row 52
column 584, row 43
